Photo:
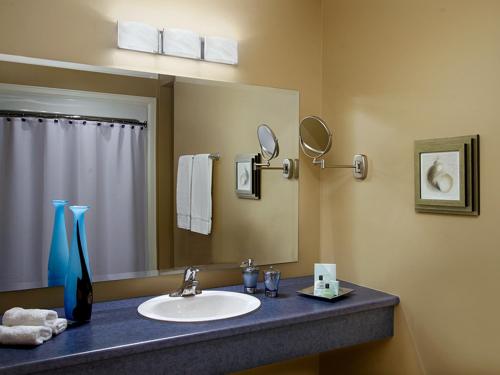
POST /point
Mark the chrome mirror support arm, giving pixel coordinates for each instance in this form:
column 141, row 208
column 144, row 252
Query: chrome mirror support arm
column 267, row 164
column 289, row 167
column 359, row 166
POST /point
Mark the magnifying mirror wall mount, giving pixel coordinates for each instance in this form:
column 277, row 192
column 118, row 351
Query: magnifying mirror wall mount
column 359, row 166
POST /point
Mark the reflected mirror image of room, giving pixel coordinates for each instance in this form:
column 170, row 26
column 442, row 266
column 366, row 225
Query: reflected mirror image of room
column 249, row 187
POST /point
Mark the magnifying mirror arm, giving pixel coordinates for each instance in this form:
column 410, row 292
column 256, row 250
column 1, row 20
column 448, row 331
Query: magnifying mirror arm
column 261, row 165
column 289, row 167
column 359, row 166
column 272, row 168
column 322, row 165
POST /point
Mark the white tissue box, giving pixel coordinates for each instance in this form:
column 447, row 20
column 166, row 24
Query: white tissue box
column 325, row 273
column 327, row 270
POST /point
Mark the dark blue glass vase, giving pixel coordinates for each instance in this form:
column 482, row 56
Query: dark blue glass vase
column 58, row 256
column 78, row 296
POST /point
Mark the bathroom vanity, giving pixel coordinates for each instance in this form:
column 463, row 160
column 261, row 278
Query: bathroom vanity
column 118, row 339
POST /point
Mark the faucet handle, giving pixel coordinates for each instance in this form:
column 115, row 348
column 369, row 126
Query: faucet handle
column 191, row 273
column 189, row 285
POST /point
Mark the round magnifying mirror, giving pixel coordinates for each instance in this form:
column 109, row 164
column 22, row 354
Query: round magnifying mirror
column 268, row 142
column 315, row 137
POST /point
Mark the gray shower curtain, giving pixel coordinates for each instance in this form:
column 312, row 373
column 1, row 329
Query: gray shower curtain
column 102, row 165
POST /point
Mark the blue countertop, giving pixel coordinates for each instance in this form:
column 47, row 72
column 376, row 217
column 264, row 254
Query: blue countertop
column 118, row 331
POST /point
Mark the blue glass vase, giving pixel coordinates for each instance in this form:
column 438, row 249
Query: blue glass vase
column 58, row 256
column 78, row 296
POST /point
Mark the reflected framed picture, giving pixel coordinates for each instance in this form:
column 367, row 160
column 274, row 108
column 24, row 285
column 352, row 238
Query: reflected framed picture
column 447, row 175
column 247, row 177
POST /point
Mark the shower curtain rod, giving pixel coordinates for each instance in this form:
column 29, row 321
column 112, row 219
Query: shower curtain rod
column 124, row 121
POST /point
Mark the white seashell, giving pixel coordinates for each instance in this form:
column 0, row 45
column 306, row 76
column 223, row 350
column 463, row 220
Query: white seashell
column 244, row 177
column 444, row 182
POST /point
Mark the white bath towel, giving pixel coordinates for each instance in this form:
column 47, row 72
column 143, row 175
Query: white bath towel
column 57, row 326
column 183, row 195
column 201, row 194
column 18, row 316
column 24, row 335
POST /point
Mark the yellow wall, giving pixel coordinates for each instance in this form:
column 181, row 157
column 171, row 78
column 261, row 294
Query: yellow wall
column 214, row 117
column 394, row 72
column 300, row 366
column 84, row 31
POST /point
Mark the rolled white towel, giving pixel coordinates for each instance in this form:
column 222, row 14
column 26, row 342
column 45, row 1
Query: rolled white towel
column 18, row 316
column 57, row 326
column 24, row 335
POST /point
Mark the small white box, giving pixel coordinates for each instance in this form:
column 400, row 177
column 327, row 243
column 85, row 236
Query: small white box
column 138, row 36
column 221, row 50
column 181, row 43
column 327, row 270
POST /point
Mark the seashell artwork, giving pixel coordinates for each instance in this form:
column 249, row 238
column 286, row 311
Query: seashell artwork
column 440, row 175
column 447, row 175
column 438, row 178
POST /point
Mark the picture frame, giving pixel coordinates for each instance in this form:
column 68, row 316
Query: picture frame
column 447, row 175
column 247, row 177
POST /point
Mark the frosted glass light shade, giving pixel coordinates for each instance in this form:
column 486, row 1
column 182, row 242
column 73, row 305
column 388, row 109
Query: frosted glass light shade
column 138, row 36
column 221, row 50
column 181, row 43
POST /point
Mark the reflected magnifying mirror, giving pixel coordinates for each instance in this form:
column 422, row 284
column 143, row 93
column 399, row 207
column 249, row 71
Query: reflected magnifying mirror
column 268, row 142
column 316, row 141
column 270, row 150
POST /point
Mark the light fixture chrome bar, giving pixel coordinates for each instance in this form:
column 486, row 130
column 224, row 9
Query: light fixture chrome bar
column 124, row 121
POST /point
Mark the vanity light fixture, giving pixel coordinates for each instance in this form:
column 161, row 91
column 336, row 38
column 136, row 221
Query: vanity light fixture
column 181, row 43
column 138, row 36
column 141, row 37
column 220, row 50
column 316, row 141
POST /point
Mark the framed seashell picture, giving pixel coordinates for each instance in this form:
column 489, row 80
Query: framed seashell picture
column 447, row 175
column 247, row 177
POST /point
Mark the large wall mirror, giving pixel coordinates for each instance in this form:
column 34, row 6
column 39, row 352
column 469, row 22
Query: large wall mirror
column 113, row 140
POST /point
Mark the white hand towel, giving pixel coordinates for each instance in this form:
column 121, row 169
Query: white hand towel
column 184, row 175
column 57, row 326
column 18, row 316
column 24, row 335
column 201, row 195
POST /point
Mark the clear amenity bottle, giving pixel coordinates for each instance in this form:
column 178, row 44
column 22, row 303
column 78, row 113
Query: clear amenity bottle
column 250, row 276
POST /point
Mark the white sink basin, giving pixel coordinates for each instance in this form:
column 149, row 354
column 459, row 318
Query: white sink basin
column 209, row 305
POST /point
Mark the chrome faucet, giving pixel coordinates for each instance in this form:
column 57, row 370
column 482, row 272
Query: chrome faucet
column 189, row 284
